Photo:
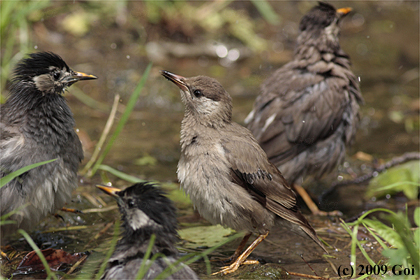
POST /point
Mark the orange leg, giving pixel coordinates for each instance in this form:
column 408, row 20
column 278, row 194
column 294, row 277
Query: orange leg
column 238, row 250
column 71, row 210
column 242, row 258
column 4, row 255
column 311, row 205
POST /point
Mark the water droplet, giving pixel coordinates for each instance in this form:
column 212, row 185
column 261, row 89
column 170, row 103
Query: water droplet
column 128, row 57
column 113, row 46
column 340, row 178
column 233, row 54
column 36, row 47
column 388, row 196
column 221, row 51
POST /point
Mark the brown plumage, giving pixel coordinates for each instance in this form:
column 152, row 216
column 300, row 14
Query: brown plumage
column 308, row 110
column 224, row 170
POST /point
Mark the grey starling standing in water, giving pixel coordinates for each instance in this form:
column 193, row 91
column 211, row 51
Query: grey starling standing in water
column 226, row 173
column 145, row 211
column 37, row 125
column 308, row 110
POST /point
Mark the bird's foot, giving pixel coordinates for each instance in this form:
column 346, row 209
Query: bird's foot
column 234, row 266
column 334, row 213
column 223, row 260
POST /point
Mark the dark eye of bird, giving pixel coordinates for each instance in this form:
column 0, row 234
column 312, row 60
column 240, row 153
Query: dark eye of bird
column 198, row 93
column 56, row 75
column 130, row 203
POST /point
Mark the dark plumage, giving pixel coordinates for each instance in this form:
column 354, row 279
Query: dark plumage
column 226, row 173
column 37, row 125
column 145, row 211
column 308, row 110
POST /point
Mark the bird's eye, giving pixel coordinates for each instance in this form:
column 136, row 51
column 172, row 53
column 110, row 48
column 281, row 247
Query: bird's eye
column 130, row 203
column 198, row 93
column 56, row 75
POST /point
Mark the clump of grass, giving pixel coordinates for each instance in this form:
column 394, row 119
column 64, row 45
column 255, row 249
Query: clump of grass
column 404, row 243
column 14, row 31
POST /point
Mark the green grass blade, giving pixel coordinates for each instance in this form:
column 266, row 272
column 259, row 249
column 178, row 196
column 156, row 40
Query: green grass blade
column 360, row 219
column 110, row 251
column 124, row 118
column 143, row 268
column 39, row 253
column 9, row 177
column 266, row 11
column 119, row 174
column 380, row 242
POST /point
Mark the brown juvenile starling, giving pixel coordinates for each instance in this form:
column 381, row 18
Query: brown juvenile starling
column 308, row 110
column 37, row 125
column 226, row 173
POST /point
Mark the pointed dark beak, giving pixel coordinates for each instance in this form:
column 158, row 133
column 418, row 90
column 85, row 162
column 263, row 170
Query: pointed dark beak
column 112, row 191
column 344, row 11
column 176, row 79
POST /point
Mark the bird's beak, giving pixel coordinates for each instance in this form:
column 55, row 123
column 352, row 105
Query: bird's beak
column 176, row 79
column 78, row 76
column 344, row 11
column 112, row 191
column 83, row 76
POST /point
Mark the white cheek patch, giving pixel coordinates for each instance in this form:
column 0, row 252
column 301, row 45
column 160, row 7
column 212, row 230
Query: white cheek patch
column 206, row 106
column 138, row 219
column 44, row 82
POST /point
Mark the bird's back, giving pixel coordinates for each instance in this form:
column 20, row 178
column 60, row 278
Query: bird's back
column 306, row 113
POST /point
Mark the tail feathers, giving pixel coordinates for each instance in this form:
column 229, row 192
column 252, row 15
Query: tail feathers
column 299, row 224
column 311, row 233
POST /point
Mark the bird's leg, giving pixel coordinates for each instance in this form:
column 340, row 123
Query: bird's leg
column 238, row 250
column 71, row 210
column 311, row 205
column 4, row 255
column 242, row 258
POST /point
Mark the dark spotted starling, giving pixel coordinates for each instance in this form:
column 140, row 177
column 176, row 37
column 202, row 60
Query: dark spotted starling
column 145, row 211
column 308, row 110
column 37, row 125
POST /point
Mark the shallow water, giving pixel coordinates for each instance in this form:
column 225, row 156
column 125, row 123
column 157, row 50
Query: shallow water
column 382, row 39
